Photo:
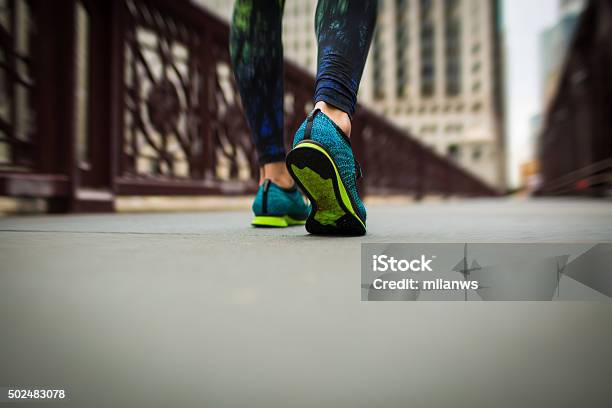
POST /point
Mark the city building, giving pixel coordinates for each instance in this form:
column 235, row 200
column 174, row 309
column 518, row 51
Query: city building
column 575, row 146
column 529, row 172
column 553, row 45
column 529, row 166
column 554, row 42
column 434, row 69
column 299, row 41
column 568, row 7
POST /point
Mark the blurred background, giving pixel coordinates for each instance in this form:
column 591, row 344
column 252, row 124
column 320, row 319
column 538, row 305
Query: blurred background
column 101, row 100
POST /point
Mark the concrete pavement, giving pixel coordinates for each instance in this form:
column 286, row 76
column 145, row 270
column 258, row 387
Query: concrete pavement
column 201, row 310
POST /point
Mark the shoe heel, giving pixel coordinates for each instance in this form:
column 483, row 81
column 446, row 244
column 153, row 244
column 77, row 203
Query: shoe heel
column 316, row 174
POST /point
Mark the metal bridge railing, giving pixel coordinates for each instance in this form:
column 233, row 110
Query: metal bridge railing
column 130, row 97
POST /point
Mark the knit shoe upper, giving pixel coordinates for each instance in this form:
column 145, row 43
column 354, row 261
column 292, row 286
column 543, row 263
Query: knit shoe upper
column 273, row 200
column 325, row 132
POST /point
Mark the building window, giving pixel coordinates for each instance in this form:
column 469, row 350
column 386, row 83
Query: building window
column 453, row 151
column 377, row 58
column 401, row 46
column 452, row 38
column 427, row 37
column 453, row 128
column 476, row 107
column 477, row 153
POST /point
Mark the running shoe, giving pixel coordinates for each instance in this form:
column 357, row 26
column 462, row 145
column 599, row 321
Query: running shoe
column 275, row 206
column 322, row 164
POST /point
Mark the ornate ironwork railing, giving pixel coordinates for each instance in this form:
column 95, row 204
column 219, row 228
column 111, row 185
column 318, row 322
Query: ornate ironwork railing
column 16, row 85
column 100, row 98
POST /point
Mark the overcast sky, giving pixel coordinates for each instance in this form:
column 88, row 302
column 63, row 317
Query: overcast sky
column 524, row 20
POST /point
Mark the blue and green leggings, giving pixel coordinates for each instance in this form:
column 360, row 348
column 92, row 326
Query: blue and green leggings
column 344, row 31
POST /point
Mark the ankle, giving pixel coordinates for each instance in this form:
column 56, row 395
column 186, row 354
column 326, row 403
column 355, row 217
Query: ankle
column 339, row 117
column 278, row 174
column 284, row 181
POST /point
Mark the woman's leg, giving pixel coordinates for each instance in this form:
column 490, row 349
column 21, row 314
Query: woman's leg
column 257, row 56
column 322, row 160
column 344, row 32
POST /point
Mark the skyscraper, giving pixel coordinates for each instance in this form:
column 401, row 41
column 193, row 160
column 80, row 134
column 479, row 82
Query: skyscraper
column 435, row 68
column 574, row 7
column 554, row 42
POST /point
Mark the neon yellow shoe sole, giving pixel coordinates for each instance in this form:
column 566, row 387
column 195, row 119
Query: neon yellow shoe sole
column 316, row 173
column 274, row 221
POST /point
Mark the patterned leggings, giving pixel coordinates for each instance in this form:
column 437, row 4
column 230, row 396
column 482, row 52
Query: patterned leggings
column 344, row 31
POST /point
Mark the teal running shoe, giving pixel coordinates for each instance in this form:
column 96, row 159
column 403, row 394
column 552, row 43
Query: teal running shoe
column 275, row 206
column 322, row 164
